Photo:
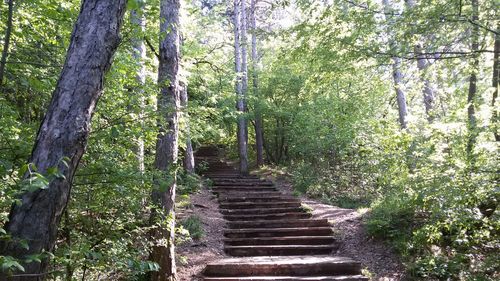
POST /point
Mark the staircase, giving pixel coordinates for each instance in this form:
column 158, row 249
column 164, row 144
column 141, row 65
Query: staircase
column 269, row 234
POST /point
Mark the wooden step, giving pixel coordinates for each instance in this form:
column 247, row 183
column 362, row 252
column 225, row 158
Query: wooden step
column 242, row 183
column 275, row 216
column 278, row 223
column 283, row 266
column 232, row 175
column 245, row 194
column 261, row 211
column 269, row 198
column 219, row 189
column 278, row 250
column 277, row 232
column 241, row 179
column 291, row 278
column 252, row 205
column 286, row 240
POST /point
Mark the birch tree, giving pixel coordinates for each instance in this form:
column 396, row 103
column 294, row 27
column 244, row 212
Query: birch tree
column 139, row 54
column 471, row 97
column 241, row 81
column 259, row 137
column 396, row 69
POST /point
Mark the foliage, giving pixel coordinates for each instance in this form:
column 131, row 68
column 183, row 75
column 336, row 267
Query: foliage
column 195, row 227
column 329, row 114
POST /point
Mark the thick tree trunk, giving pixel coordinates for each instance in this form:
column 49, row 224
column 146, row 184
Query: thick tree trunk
column 188, row 153
column 396, row 71
column 259, row 138
column 242, row 134
column 167, row 143
column 471, row 97
column 139, row 54
column 495, row 83
column 65, row 129
column 8, row 33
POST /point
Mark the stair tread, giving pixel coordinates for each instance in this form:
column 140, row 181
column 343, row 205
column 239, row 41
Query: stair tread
column 303, row 265
column 280, row 246
column 281, row 238
column 284, row 210
column 278, row 229
column 289, row 278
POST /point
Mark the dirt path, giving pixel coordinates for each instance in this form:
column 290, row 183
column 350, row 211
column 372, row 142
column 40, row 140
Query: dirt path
column 196, row 254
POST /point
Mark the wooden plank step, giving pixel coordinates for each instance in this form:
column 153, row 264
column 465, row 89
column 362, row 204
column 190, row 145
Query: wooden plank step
column 253, row 205
column 275, row 216
column 286, row 240
column 283, row 266
column 277, row 232
column 261, row 211
column 278, row 250
column 257, row 180
column 219, row 189
column 291, row 278
column 255, row 199
column 215, row 176
column 278, row 223
column 253, row 194
column 242, row 183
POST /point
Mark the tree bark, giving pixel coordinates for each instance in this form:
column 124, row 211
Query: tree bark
column 471, row 97
column 396, row 72
column 428, row 91
column 188, row 153
column 8, row 33
column 242, row 134
column 495, row 84
column 167, row 142
column 259, row 138
column 65, row 129
column 139, row 53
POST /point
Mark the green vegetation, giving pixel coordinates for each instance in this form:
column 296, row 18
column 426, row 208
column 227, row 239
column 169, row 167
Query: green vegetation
column 386, row 105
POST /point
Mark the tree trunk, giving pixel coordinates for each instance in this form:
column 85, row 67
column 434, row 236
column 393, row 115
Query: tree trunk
column 188, row 153
column 428, row 90
column 139, row 53
column 495, row 84
column 259, row 138
column 422, row 64
column 396, row 71
column 471, row 97
column 240, row 86
column 8, row 33
column 65, row 129
column 167, row 143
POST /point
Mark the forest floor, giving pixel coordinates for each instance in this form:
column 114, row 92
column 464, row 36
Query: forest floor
column 378, row 259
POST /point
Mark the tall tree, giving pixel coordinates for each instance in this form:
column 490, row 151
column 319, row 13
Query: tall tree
column 259, row 135
column 397, row 74
column 167, row 143
column 428, row 90
column 64, row 131
column 188, row 152
column 139, row 53
column 6, row 44
column 241, row 81
column 471, row 97
column 495, row 83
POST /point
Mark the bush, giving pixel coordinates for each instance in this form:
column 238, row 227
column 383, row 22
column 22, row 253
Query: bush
column 194, row 225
